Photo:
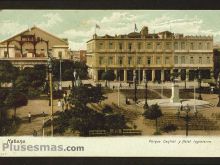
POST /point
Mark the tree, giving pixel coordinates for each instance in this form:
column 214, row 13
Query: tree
column 86, row 119
column 22, row 83
column 115, row 121
column 67, row 69
column 82, row 95
column 35, row 77
column 108, row 76
column 16, row 99
column 3, row 96
column 153, row 113
column 8, row 72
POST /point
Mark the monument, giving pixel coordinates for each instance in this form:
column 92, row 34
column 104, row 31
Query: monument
column 175, row 93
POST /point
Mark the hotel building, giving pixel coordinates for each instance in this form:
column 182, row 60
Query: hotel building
column 155, row 55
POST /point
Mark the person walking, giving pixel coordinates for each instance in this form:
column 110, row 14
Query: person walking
column 59, row 103
column 62, row 104
column 29, row 117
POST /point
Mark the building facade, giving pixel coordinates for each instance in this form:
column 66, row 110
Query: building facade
column 78, row 55
column 32, row 46
column 154, row 55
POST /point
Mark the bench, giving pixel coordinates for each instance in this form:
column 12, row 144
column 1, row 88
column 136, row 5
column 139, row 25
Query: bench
column 97, row 133
column 131, row 132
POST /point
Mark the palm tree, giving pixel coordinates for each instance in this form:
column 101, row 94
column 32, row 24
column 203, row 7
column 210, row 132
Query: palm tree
column 153, row 113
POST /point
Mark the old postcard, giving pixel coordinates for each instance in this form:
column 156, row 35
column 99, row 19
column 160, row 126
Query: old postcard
column 109, row 83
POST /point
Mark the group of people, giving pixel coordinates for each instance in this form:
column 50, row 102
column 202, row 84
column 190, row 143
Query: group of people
column 63, row 103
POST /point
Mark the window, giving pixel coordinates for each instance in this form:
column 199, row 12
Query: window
column 139, row 46
column 139, row 60
column 158, row 45
column 120, row 46
column 191, row 46
column 129, row 60
column 200, row 46
column 176, row 59
column 167, row 60
column 149, row 45
column 120, row 60
column 60, row 54
column 208, row 60
column 157, row 60
column 175, row 45
column 101, row 60
column 5, row 54
column 208, row 45
column 191, row 60
column 168, row 45
column 110, row 45
column 200, row 60
column 148, row 60
column 130, row 46
column 110, row 60
column 183, row 59
column 183, row 45
column 100, row 45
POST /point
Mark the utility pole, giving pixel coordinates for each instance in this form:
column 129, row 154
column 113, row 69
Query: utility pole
column 119, row 91
column 51, row 92
column 60, row 85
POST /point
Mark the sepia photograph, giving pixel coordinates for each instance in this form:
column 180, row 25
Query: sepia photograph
column 102, row 74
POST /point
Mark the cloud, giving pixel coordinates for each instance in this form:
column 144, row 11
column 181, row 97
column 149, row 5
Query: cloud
column 77, row 45
column 9, row 28
column 52, row 20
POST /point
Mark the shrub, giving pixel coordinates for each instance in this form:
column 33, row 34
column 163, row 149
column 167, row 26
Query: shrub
column 169, row 128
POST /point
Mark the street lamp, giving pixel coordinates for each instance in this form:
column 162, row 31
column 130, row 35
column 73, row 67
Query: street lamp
column 74, row 77
column 187, row 110
column 145, row 81
column 199, row 84
column 60, row 84
column 51, row 91
column 135, row 86
column 218, row 105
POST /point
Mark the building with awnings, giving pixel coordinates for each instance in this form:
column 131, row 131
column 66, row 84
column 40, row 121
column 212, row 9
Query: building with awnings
column 32, row 46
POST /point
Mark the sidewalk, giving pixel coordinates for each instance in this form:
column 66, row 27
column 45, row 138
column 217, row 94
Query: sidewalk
column 36, row 108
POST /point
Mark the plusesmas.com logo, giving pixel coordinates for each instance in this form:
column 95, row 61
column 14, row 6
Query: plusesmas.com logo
column 19, row 145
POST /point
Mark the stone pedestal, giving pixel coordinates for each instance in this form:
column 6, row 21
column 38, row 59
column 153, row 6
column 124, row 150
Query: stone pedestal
column 175, row 94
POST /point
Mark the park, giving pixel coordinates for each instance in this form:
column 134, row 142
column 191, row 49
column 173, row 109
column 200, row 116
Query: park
column 83, row 107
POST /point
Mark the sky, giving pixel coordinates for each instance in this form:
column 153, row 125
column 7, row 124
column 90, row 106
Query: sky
column 79, row 25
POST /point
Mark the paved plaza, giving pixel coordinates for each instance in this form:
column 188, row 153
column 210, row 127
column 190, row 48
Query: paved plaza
column 37, row 107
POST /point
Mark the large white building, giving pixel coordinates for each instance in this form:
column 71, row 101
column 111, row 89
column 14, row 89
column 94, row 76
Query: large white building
column 154, row 55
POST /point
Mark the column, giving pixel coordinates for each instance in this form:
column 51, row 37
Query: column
column 144, row 74
column 162, row 75
column 153, row 74
column 211, row 73
column 187, row 74
column 116, row 74
column 95, row 75
column 125, row 75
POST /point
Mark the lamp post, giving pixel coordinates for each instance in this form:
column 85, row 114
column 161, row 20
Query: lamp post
column 186, row 109
column 60, row 84
column 51, row 91
column 218, row 105
column 74, row 77
column 119, row 85
column 135, row 86
column 145, row 104
column 199, row 84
